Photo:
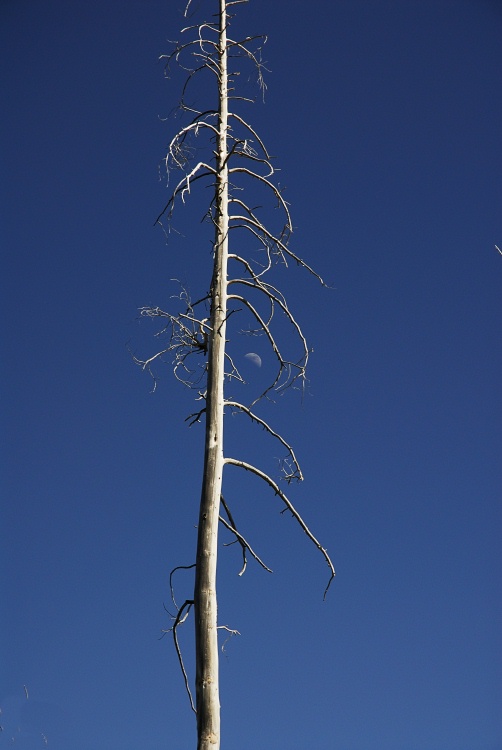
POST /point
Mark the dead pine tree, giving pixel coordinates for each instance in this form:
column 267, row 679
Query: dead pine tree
column 198, row 339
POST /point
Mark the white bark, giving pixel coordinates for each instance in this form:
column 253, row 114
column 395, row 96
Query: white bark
column 205, row 604
column 197, row 344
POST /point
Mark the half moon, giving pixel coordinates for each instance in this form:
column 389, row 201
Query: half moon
column 255, row 359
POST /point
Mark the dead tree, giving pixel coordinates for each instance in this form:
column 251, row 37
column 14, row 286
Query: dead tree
column 197, row 338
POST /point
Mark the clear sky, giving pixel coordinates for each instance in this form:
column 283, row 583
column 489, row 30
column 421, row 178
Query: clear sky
column 385, row 118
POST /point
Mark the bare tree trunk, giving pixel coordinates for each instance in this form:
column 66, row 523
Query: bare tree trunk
column 205, row 603
column 198, row 344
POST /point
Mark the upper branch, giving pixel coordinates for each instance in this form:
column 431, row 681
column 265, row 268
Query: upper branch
column 183, row 187
column 188, row 336
column 278, row 299
column 291, row 370
column 270, row 185
column 282, row 246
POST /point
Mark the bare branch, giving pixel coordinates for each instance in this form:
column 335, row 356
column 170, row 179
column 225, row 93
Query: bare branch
column 175, row 148
column 188, row 337
column 230, row 525
column 252, row 131
column 264, row 267
column 253, row 57
column 297, row 474
column 270, row 185
column 195, row 417
column 231, row 633
column 277, row 298
column 284, row 365
column 234, row 373
column 178, row 567
column 179, row 620
column 183, row 187
column 268, row 480
column 277, row 241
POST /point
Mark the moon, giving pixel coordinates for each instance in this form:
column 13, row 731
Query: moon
column 254, row 358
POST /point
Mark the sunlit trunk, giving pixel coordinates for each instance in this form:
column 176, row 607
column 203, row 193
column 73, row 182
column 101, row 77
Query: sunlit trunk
column 205, row 604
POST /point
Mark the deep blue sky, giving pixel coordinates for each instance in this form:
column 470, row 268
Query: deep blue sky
column 385, row 118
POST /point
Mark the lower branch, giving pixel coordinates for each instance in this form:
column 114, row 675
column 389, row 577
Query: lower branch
column 230, row 525
column 179, row 620
column 173, row 571
column 268, row 480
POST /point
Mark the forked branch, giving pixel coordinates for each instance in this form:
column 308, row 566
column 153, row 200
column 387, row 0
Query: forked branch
column 231, row 526
column 268, row 480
